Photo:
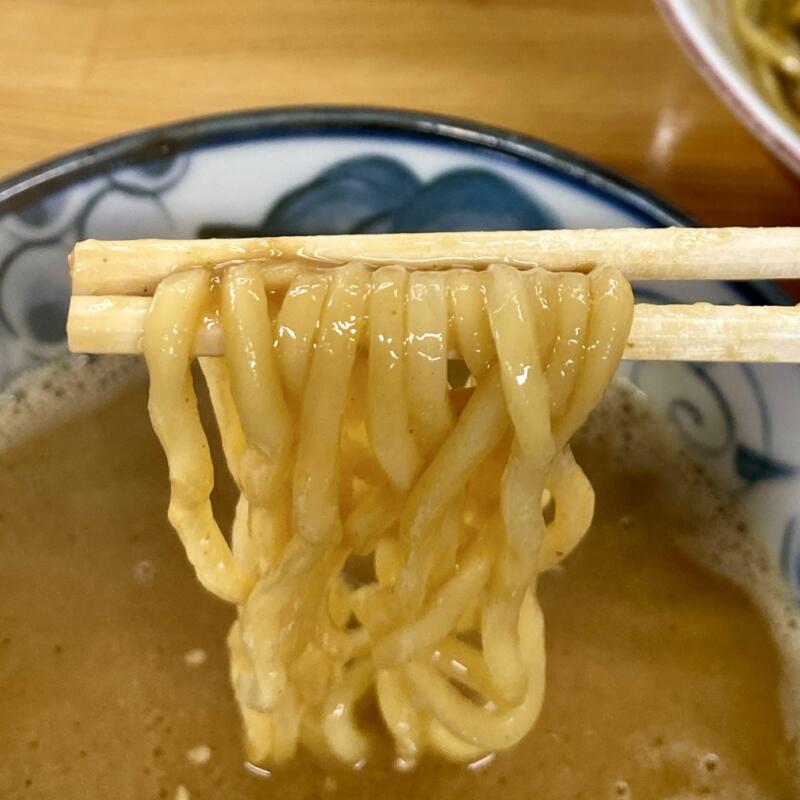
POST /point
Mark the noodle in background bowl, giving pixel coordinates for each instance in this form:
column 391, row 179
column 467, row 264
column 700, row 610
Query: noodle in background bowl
column 703, row 30
column 343, row 170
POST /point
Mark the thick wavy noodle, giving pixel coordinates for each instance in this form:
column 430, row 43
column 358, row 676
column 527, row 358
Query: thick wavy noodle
column 390, row 527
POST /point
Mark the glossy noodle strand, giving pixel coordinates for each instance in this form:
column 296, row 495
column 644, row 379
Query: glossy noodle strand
column 391, row 526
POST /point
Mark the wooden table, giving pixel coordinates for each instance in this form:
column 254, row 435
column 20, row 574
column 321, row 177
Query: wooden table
column 604, row 79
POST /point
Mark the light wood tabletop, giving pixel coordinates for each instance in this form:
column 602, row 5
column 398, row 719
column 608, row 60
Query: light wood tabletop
column 604, row 79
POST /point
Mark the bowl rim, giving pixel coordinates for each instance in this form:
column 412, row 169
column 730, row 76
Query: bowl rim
column 258, row 124
column 172, row 138
column 741, row 97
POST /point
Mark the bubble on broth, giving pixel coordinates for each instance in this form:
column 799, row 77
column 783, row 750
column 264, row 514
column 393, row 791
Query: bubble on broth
column 710, row 762
column 195, row 657
column 199, row 755
column 144, row 572
column 622, row 791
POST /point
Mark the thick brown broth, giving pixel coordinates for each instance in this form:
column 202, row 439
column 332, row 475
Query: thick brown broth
column 662, row 678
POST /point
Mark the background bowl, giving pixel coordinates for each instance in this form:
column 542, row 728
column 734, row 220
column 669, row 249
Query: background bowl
column 702, row 28
column 336, row 170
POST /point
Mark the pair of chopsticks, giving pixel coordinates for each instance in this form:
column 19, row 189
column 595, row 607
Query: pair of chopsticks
column 113, row 282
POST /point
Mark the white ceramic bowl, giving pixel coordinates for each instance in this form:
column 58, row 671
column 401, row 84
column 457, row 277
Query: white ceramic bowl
column 702, row 27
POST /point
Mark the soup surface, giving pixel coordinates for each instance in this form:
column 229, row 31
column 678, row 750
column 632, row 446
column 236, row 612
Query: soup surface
column 663, row 679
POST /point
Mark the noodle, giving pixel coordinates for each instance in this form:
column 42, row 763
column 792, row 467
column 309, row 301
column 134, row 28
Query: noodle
column 346, row 442
column 768, row 30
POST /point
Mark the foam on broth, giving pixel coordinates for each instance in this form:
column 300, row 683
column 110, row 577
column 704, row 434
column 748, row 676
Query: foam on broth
column 663, row 679
column 728, row 546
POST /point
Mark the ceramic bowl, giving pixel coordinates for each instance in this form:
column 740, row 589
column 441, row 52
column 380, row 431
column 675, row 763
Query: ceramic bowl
column 703, row 29
column 342, row 170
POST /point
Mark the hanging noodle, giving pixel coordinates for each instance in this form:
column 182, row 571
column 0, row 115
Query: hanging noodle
column 346, row 441
column 769, row 30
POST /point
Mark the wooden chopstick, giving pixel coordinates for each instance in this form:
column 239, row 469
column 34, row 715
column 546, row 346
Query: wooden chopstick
column 700, row 332
column 136, row 267
column 112, row 281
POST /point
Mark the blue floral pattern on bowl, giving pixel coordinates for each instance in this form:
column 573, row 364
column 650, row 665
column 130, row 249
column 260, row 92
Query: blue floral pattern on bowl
column 350, row 170
column 377, row 194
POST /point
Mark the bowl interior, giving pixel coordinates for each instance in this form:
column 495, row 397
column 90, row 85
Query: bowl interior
column 337, row 171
